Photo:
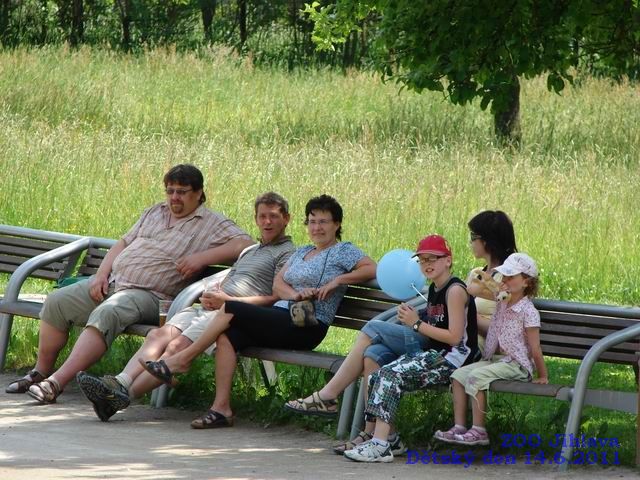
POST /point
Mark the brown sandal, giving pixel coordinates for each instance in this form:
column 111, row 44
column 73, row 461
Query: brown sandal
column 22, row 385
column 212, row 419
column 315, row 406
column 357, row 440
column 47, row 391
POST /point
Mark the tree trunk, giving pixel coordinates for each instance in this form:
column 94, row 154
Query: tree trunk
column 124, row 8
column 208, row 9
column 242, row 21
column 45, row 20
column 4, row 19
column 77, row 23
column 507, row 120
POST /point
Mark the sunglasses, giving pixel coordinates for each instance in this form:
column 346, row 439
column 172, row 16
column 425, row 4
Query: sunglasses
column 179, row 191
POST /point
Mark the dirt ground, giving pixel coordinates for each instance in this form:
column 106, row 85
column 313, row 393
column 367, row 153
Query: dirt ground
column 66, row 440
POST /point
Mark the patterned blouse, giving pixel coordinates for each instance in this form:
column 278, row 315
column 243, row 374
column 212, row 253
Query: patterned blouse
column 507, row 332
column 320, row 270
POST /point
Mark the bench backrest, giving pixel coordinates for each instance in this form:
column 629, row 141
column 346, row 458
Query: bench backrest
column 15, row 250
column 91, row 261
column 570, row 334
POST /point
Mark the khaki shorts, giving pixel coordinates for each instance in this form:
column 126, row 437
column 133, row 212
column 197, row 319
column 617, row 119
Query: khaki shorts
column 73, row 306
column 478, row 376
column 192, row 322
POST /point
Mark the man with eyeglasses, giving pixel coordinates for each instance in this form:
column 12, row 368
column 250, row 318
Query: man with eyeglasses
column 160, row 255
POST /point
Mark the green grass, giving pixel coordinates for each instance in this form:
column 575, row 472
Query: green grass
column 87, row 135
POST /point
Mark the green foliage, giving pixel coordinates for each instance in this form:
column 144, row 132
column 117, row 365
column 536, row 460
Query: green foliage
column 479, row 48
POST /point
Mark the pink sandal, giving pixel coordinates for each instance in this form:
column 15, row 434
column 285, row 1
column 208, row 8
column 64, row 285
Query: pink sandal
column 473, row 437
column 450, row 435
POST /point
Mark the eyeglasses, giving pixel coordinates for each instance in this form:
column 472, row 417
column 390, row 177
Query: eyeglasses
column 322, row 223
column 474, row 236
column 429, row 260
column 179, row 191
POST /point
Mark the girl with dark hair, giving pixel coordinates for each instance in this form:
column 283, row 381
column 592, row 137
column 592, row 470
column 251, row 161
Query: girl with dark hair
column 491, row 238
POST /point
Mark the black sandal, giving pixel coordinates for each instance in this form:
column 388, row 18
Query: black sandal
column 22, row 385
column 212, row 419
column 160, row 370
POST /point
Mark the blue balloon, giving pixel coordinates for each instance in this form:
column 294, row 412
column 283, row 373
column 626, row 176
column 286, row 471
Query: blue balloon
column 398, row 273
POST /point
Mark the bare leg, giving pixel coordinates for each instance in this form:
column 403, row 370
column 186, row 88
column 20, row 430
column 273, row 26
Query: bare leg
column 226, row 361
column 50, row 342
column 348, row 372
column 88, row 350
column 459, row 403
column 145, row 382
column 382, row 430
column 369, row 367
column 182, row 361
column 479, row 409
column 153, row 347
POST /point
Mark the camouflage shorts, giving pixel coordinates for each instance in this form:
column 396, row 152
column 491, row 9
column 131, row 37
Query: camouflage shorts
column 407, row 374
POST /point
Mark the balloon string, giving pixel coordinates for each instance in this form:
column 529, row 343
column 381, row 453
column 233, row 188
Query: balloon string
column 419, row 292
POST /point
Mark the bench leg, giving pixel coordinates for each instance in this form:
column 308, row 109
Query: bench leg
column 6, row 322
column 346, row 409
column 358, row 414
column 160, row 396
column 638, row 422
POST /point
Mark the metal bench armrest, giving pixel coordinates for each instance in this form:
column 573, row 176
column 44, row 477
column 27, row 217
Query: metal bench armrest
column 190, row 294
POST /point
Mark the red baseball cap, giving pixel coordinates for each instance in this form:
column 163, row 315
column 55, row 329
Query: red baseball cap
column 434, row 244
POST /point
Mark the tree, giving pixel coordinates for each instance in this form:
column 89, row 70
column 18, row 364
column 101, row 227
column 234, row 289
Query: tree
column 472, row 49
column 208, row 10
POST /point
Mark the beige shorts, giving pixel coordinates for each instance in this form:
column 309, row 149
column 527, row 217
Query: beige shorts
column 73, row 306
column 192, row 322
column 478, row 376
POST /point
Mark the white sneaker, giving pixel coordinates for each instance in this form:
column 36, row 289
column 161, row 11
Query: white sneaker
column 397, row 446
column 370, row 452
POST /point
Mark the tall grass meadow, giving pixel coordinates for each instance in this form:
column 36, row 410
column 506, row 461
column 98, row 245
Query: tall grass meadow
column 87, row 135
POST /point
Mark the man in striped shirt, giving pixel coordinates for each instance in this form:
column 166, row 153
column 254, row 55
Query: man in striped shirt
column 162, row 253
column 250, row 280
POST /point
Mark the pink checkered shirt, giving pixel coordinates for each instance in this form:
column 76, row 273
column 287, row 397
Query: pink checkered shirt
column 507, row 333
column 153, row 248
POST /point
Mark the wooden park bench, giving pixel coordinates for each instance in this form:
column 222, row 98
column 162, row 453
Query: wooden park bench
column 29, row 253
column 590, row 333
column 587, row 332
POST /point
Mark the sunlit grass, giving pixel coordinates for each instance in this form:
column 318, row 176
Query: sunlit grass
column 86, row 137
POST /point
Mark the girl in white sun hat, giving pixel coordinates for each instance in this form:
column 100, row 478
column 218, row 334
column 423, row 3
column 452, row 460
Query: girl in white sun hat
column 512, row 350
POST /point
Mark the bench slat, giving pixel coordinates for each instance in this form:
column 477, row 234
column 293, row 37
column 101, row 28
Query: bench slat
column 6, row 242
column 40, row 273
column 587, row 343
column 581, row 319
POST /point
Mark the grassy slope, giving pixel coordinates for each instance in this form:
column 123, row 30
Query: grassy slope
column 86, row 137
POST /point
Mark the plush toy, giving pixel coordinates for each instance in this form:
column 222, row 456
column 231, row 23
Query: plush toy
column 489, row 284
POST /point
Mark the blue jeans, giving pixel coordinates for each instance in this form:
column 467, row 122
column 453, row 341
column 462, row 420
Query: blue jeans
column 391, row 340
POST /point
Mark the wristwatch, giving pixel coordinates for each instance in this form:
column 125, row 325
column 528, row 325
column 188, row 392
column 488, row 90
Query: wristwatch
column 416, row 325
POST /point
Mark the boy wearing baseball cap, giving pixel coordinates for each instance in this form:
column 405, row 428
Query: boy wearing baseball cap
column 512, row 350
column 448, row 326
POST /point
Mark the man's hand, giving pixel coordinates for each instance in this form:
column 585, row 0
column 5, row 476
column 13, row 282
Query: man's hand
column 407, row 314
column 99, row 287
column 213, row 300
column 189, row 266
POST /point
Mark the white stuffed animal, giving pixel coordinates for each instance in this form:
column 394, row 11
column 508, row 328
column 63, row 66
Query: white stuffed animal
column 489, row 284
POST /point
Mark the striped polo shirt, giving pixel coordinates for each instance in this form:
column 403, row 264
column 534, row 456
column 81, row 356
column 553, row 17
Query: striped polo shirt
column 256, row 268
column 153, row 248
